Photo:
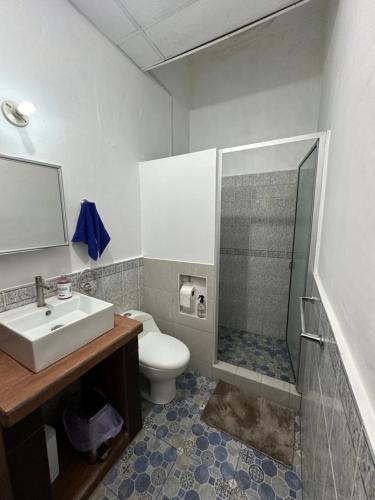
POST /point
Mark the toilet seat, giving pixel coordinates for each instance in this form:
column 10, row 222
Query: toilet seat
column 160, row 351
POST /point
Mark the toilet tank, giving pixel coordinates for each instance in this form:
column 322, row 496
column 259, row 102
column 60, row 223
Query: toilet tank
column 149, row 324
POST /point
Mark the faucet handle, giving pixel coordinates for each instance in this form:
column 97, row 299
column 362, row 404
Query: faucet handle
column 39, row 281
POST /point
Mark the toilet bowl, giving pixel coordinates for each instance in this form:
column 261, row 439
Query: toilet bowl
column 162, row 359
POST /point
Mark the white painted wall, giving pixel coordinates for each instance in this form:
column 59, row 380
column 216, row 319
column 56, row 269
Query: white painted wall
column 177, row 79
column 178, row 207
column 264, row 84
column 347, row 265
column 96, row 114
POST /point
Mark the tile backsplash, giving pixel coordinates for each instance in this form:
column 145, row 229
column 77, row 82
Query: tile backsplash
column 338, row 462
column 120, row 283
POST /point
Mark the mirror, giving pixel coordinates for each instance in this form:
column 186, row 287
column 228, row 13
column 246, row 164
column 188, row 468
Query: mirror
column 32, row 211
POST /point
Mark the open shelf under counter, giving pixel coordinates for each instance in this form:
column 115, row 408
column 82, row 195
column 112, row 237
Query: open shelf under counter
column 111, row 362
column 77, row 478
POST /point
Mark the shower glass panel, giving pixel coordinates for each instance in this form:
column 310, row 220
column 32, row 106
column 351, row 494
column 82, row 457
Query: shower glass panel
column 301, row 246
column 258, row 204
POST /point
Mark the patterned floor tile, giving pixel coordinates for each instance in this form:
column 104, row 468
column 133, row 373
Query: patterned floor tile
column 147, row 406
column 259, row 353
column 143, row 469
column 195, row 387
column 258, row 476
column 195, row 481
column 177, row 456
column 214, row 449
column 173, row 421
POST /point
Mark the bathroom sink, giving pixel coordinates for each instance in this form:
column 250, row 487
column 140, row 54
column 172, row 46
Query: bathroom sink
column 38, row 336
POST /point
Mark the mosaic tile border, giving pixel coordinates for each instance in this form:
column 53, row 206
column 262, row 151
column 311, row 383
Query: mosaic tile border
column 114, row 281
column 275, row 254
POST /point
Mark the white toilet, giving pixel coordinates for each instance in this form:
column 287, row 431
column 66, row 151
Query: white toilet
column 162, row 359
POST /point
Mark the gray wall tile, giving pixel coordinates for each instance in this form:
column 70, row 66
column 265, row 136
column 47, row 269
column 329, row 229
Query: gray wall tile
column 130, row 279
column 161, row 300
column 350, row 409
column 159, row 274
column 257, row 217
column 200, row 343
column 131, row 299
column 329, row 490
column 367, row 466
column 342, row 451
column 206, row 324
column 359, row 492
column 112, row 283
column 193, row 269
column 350, row 472
column 166, row 327
column 158, row 303
column 113, row 286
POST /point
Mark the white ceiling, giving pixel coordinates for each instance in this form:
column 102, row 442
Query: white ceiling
column 153, row 31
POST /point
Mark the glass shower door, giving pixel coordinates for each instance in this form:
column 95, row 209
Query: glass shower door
column 301, row 248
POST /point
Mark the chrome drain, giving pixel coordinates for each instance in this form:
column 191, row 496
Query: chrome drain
column 56, row 327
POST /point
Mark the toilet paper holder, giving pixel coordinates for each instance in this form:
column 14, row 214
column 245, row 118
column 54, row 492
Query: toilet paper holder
column 189, row 289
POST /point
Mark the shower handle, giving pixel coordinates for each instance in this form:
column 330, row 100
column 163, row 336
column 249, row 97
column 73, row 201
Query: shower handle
column 304, row 334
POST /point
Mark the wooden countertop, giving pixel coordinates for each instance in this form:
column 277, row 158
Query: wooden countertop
column 22, row 391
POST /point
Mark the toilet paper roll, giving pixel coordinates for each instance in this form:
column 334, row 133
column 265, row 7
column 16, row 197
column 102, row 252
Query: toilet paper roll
column 187, row 295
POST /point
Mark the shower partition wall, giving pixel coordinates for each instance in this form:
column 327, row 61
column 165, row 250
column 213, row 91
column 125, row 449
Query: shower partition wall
column 257, row 211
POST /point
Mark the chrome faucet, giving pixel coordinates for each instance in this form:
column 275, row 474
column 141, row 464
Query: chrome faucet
column 40, row 287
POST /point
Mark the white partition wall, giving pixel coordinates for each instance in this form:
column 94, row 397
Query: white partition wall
column 178, row 207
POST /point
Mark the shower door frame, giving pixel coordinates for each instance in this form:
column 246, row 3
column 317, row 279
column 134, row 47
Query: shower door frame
column 321, row 142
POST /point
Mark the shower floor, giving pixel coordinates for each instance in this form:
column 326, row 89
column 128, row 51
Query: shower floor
column 259, row 353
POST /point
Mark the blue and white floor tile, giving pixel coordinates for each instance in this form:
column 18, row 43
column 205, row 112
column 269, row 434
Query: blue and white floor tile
column 177, row 456
column 195, row 387
column 173, row 421
column 195, row 482
column 258, row 476
column 143, row 469
column 214, row 449
column 259, row 353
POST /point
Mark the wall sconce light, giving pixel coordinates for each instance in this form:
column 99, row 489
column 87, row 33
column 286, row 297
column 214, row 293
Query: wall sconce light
column 17, row 114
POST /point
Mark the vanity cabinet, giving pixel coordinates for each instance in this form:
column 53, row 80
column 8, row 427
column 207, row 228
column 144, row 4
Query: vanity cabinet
column 111, row 362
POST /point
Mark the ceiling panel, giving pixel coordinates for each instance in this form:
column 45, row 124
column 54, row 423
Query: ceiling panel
column 140, row 51
column 108, row 16
column 153, row 31
column 147, row 12
column 206, row 20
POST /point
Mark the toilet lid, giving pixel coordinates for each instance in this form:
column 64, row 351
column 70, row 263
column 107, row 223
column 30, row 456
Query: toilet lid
column 158, row 350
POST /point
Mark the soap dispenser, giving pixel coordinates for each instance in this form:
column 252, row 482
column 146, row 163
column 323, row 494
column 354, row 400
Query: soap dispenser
column 201, row 307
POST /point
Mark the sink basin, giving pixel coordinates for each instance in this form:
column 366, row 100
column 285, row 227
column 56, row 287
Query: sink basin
column 38, row 336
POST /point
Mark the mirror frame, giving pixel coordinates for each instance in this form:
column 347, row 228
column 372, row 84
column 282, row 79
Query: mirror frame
column 62, row 203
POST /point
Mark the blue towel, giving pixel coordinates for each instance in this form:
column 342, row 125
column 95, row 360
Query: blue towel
column 90, row 230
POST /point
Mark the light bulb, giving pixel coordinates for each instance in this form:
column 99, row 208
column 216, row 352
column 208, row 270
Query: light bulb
column 25, row 108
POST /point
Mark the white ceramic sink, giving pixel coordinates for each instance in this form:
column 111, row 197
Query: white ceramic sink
column 38, row 336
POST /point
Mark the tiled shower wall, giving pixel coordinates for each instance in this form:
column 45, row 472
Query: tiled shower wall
column 161, row 291
column 257, row 222
column 120, row 283
column 338, row 462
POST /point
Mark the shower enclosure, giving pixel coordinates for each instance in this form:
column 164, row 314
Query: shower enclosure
column 266, row 217
column 301, row 250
